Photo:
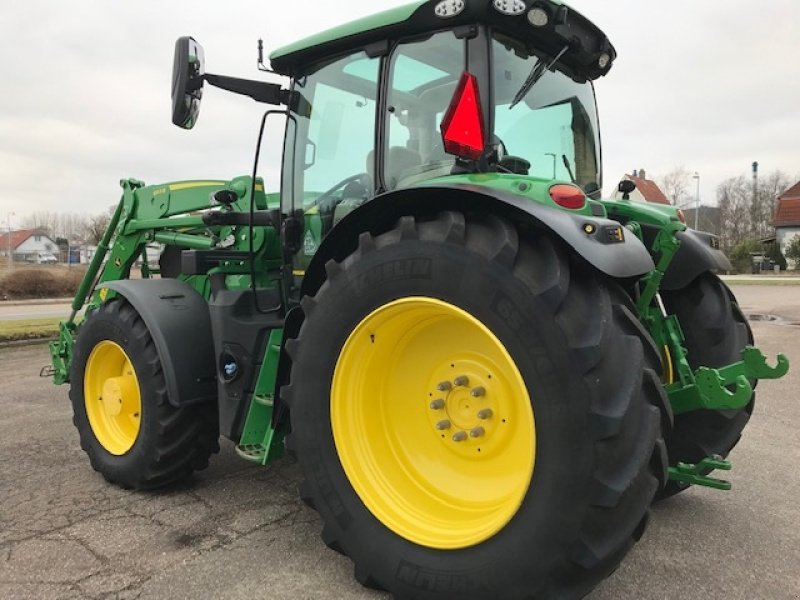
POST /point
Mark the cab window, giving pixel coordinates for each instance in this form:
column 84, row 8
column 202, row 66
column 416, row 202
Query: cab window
column 332, row 154
column 422, row 80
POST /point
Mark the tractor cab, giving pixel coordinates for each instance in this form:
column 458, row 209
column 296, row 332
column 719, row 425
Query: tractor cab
column 436, row 92
column 426, row 94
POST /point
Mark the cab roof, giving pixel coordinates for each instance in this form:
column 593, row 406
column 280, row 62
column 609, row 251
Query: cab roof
column 590, row 53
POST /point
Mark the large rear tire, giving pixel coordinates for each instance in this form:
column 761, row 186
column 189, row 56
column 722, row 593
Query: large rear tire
column 134, row 437
column 716, row 331
column 475, row 415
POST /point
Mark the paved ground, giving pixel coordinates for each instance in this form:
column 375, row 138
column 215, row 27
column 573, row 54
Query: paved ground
column 239, row 531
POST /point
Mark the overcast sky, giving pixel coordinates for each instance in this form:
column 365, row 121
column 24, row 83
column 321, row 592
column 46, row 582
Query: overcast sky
column 85, row 91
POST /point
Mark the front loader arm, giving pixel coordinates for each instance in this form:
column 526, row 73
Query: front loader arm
column 167, row 214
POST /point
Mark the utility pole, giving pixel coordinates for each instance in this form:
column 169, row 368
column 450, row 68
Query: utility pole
column 696, row 177
column 755, row 206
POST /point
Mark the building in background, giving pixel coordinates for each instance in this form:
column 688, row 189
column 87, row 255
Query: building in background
column 29, row 245
column 646, row 190
column 787, row 219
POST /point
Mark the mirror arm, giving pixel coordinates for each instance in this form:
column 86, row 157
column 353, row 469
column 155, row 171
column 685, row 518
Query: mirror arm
column 270, row 93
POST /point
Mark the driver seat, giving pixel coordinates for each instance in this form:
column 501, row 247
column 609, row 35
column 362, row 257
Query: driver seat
column 399, row 160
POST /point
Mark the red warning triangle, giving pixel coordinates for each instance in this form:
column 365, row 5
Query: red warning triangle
column 462, row 127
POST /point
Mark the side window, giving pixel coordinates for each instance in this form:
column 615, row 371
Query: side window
column 423, row 78
column 341, row 134
column 333, row 153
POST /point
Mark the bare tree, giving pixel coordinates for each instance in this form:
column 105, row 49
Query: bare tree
column 769, row 188
column 734, row 200
column 97, row 225
column 43, row 220
column 676, row 185
column 70, row 226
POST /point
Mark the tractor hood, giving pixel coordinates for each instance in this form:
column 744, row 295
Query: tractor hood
column 547, row 25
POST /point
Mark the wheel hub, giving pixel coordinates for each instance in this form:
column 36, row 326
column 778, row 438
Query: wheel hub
column 112, row 397
column 464, row 411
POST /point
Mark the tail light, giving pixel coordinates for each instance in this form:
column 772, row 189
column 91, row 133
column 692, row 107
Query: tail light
column 568, row 196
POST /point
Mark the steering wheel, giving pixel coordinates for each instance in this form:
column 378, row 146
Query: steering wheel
column 362, row 178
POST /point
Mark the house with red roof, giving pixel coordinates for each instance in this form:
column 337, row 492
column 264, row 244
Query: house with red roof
column 28, row 245
column 787, row 218
column 646, row 190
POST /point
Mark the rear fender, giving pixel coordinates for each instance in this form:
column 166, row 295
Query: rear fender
column 699, row 252
column 620, row 260
column 178, row 320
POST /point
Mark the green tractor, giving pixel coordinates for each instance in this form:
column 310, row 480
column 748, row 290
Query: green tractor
column 486, row 372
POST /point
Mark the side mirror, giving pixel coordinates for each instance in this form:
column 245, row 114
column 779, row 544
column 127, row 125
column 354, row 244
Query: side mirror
column 626, row 186
column 187, row 82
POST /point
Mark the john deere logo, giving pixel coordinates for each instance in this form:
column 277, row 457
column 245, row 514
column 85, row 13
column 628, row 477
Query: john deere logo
column 309, row 244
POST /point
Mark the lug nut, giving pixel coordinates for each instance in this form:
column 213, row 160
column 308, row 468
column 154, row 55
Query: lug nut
column 443, row 424
column 476, row 392
column 444, row 386
column 437, row 404
column 461, row 380
column 459, row 436
column 477, row 432
column 485, row 413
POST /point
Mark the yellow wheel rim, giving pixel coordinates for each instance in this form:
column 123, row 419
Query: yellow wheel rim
column 433, row 423
column 112, row 398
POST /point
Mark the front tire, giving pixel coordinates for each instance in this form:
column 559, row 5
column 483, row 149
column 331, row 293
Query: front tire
column 715, row 332
column 134, row 437
column 547, row 499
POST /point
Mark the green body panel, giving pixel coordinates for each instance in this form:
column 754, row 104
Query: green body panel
column 372, row 22
column 530, row 188
column 640, row 212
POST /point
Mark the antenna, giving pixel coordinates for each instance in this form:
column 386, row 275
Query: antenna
column 261, row 65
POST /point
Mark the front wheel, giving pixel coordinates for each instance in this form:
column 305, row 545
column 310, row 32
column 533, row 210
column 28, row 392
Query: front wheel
column 715, row 332
column 475, row 414
column 134, row 437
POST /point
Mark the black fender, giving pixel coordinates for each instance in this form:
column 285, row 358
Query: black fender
column 620, row 260
column 178, row 320
column 699, row 252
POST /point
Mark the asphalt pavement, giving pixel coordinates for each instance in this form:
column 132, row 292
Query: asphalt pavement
column 240, row 531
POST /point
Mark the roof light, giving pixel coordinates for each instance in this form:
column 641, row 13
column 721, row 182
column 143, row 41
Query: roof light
column 568, row 196
column 538, row 17
column 449, row 8
column 462, row 127
column 510, row 7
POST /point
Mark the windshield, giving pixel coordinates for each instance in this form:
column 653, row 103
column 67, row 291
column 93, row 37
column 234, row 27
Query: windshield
column 553, row 128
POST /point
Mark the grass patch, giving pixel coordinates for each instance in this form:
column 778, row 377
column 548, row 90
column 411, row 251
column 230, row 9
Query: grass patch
column 28, row 329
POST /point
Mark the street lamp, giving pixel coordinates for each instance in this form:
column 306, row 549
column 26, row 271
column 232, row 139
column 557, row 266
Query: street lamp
column 554, row 162
column 696, row 177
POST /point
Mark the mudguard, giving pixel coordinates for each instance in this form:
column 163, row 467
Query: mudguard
column 697, row 254
column 619, row 260
column 178, row 320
